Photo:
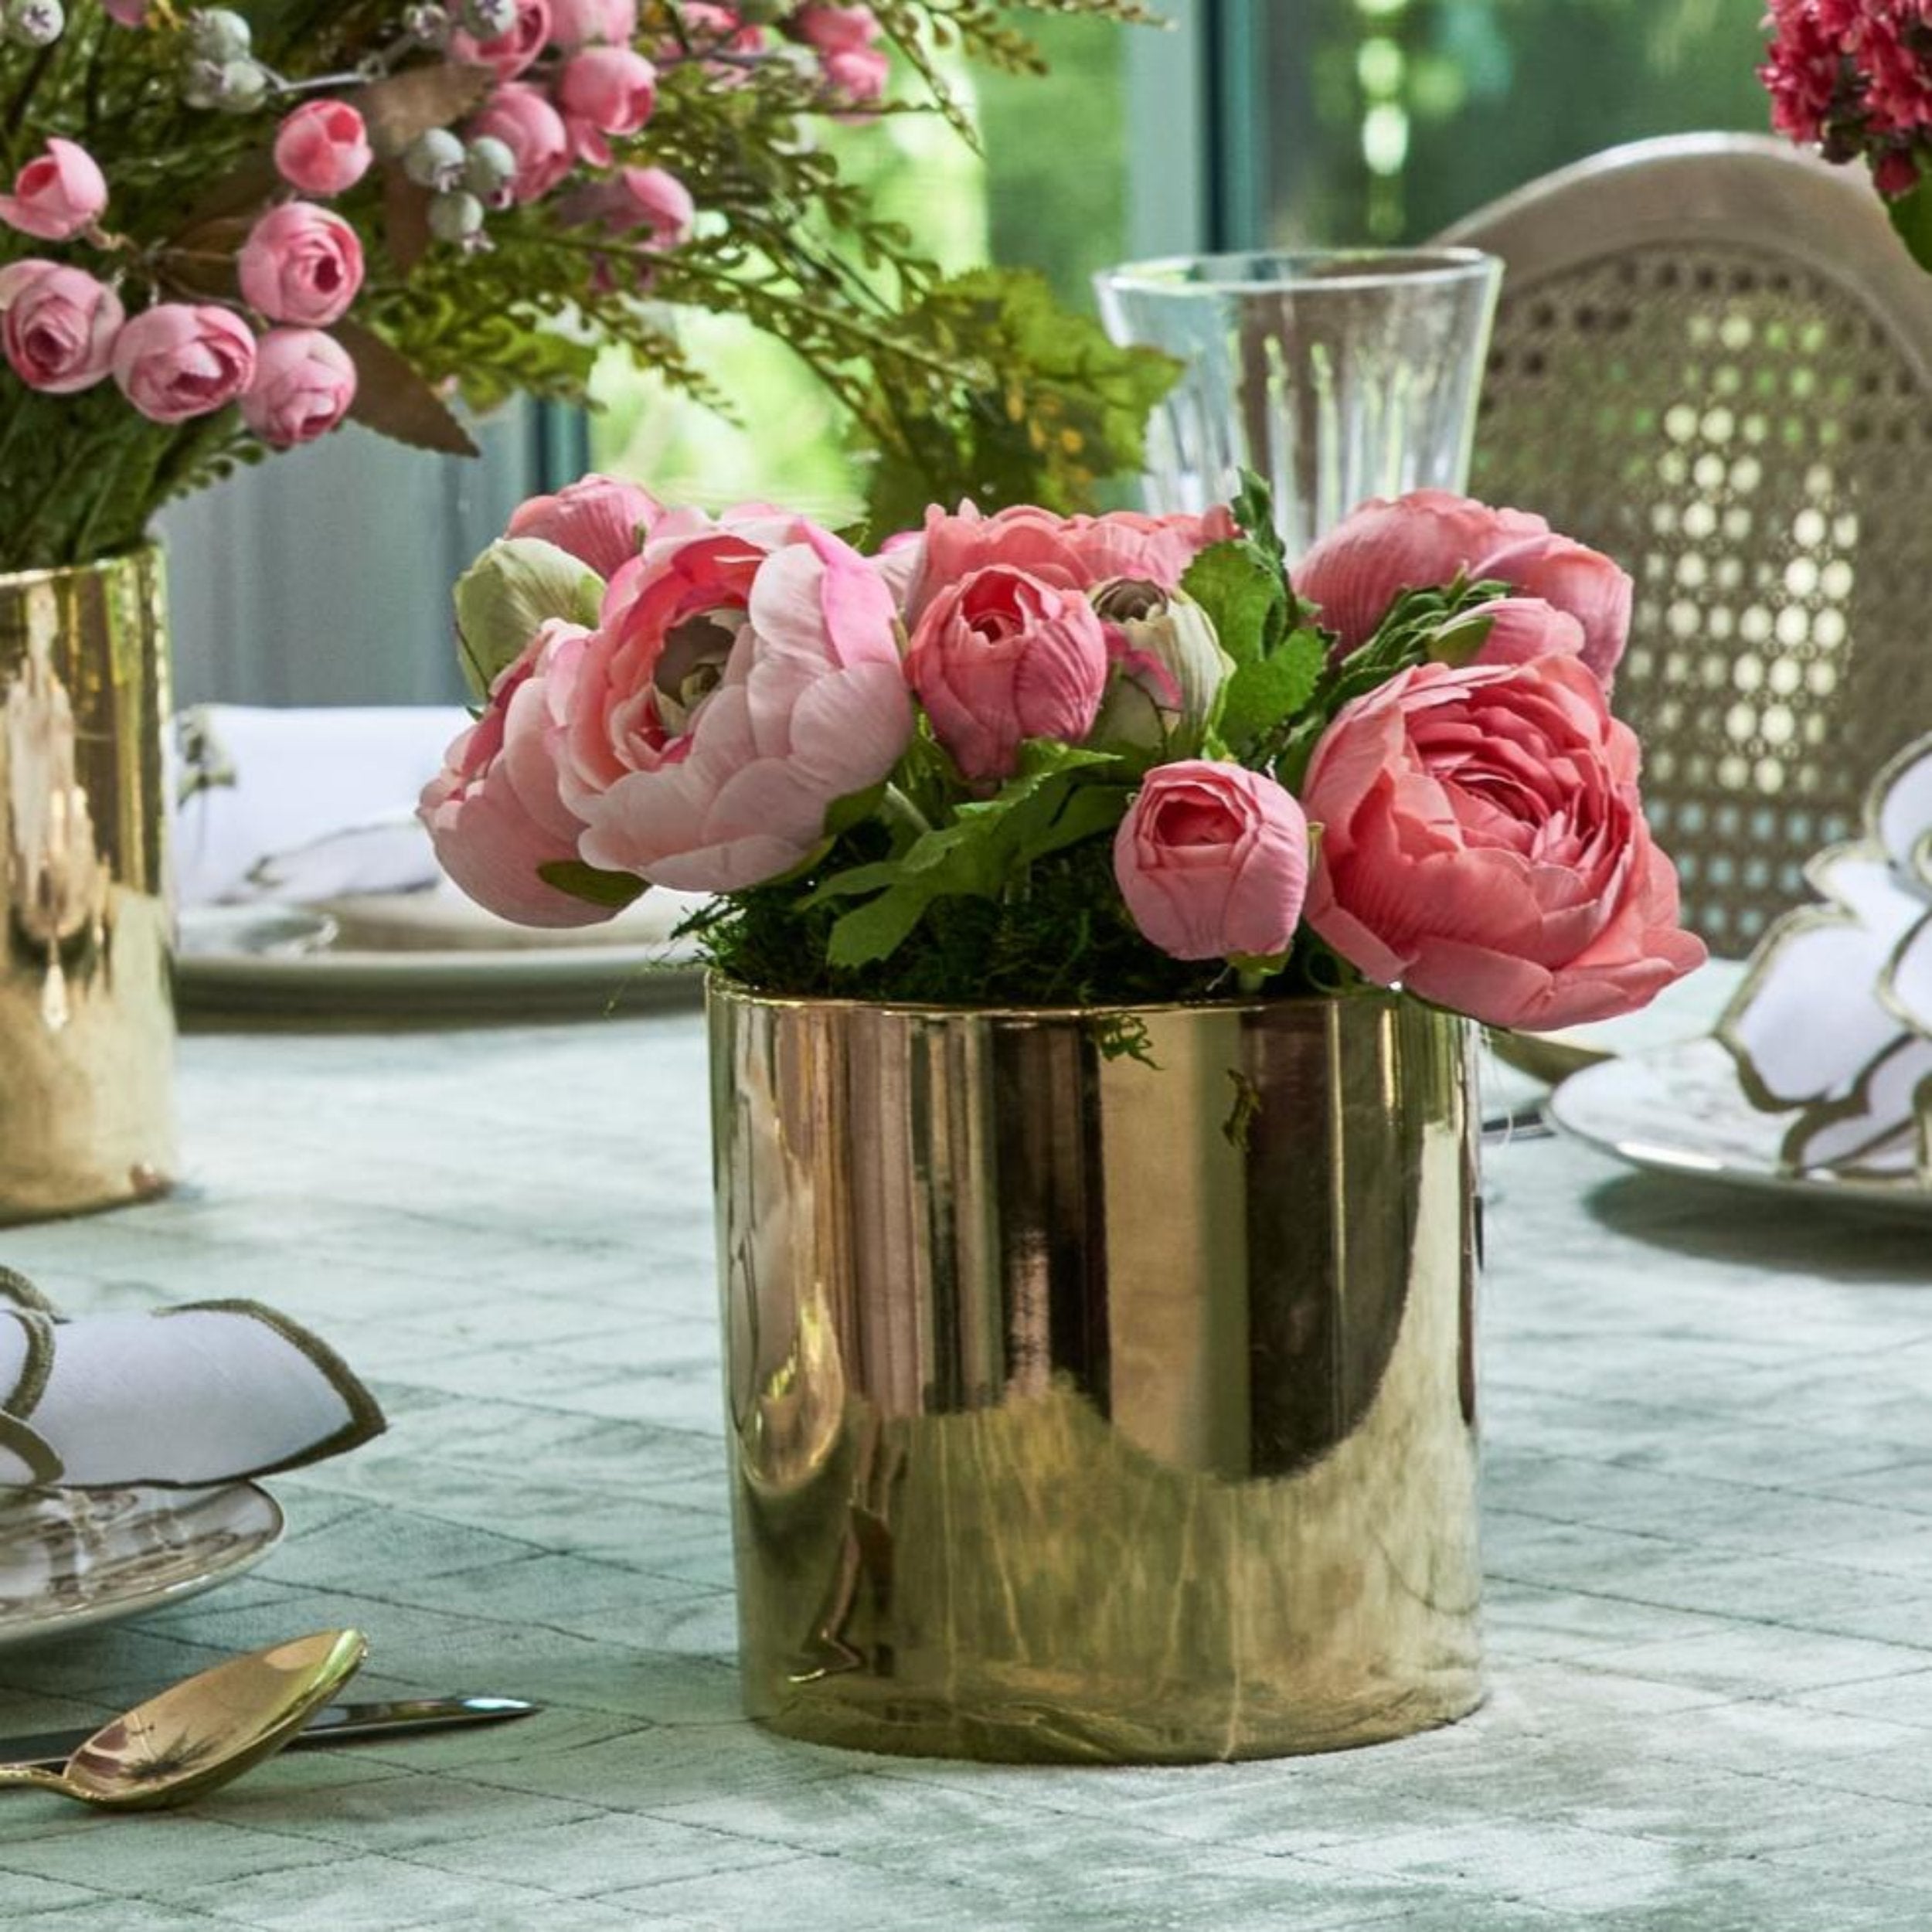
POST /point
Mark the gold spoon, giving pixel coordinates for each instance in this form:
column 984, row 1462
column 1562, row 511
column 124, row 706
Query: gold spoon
column 201, row 1732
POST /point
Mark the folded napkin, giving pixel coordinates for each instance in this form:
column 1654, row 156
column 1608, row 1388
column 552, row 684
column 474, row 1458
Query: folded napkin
column 208, row 1393
column 1832, row 1025
column 304, row 803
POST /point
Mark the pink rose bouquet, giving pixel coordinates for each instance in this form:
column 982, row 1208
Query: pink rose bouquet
column 262, row 221
column 1044, row 760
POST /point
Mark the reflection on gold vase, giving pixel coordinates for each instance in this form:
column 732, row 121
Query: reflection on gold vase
column 1091, row 1405
column 87, row 1015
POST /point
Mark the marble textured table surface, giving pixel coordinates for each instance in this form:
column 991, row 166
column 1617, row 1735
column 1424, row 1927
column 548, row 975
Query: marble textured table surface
column 1708, row 1538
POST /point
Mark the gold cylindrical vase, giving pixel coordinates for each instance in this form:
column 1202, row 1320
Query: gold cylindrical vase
column 1101, row 1384
column 86, row 1009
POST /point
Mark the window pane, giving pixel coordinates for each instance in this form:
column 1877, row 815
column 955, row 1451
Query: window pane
column 1384, row 120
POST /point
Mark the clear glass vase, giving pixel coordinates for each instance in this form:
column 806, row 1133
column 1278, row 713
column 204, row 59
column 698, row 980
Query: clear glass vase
column 1335, row 376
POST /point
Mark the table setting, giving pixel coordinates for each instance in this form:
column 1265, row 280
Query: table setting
column 1013, row 1212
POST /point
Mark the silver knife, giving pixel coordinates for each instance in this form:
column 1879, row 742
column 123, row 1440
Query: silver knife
column 333, row 1722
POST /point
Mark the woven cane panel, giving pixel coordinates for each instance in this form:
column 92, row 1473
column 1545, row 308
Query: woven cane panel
column 1746, row 439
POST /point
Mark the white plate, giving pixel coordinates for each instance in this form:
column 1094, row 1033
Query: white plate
column 270, row 959
column 1679, row 1109
column 71, row 1558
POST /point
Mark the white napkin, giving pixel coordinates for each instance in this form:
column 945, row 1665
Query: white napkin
column 304, row 803
column 1833, row 1023
column 204, row 1393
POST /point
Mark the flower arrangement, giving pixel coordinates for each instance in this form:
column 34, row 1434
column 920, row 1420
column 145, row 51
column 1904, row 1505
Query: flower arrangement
column 229, row 229
column 1035, row 760
column 1853, row 78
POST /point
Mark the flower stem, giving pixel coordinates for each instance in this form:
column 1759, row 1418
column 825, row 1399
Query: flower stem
column 900, row 813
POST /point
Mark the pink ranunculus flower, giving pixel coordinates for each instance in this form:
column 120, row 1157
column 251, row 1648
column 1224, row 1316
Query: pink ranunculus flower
column 652, row 198
column 1483, row 846
column 509, row 53
column 604, row 91
column 835, row 30
column 859, row 74
column 534, row 132
column 1384, row 547
column 322, row 148
column 1078, row 552
column 302, row 264
column 1212, row 860
column 57, row 195
column 494, row 812
column 745, row 678
column 304, row 383
column 58, row 325
column 1002, row 656
column 583, row 23
column 183, row 359
column 601, row 520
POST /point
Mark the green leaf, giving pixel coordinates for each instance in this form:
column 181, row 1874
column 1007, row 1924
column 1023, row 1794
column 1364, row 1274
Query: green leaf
column 876, row 931
column 1254, row 507
column 1263, row 696
column 1911, row 216
column 591, row 884
column 1243, row 595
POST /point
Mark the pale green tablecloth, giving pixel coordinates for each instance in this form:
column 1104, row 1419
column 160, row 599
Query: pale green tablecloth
column 1709, row 1537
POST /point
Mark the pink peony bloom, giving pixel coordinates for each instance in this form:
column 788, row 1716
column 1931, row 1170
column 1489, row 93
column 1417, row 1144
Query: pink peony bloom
column 634, row 198
column 300, row 264
column 601, row 521
column 1002, row 656
column 744, row 678
column 509, row 53
column 605, row 90
column 1075, row 552
column 322, row 148
column 1483, row 846
column 58, row 194
column 305, row 382
column 533, row 131
column 835, row 30
column 58, row 325
column 1212, row 861
column 493, row 812
column 582, row 23
column 1382, row 548
column 181, row 359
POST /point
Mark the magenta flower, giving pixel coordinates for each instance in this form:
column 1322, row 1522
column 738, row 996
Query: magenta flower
column 322, row 148
column 603, row 91
column 180, row 360
column 582, row 23
column 58, row 325
column 300, row 264
column 652, row 198
column 304, row 383
column 509, row 53
column 534, row 132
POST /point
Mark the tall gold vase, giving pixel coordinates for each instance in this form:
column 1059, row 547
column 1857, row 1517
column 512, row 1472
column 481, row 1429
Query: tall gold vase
column 1087, row 1405
column 87, row 1012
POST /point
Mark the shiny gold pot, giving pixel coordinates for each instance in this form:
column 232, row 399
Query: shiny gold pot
column 1087, row 1405
column 86, row 1013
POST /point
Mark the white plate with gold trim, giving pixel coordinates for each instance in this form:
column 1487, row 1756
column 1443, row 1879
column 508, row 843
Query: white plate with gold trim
column 1680, row 1109
column 72, row 1558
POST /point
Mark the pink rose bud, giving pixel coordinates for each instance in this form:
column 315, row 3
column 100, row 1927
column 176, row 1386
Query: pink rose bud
column 58, row 325
column 322, row 148
column 601, row 521
column 509, row 53
column 182, row 359
column 1483, row 845
column 533, row 131
column 634, row 198
column 858, row 73
column 1000, row 656
column 1212, row 861
column 612, row 88
column 57, row 194
column 128, row 13
column 300, row 264
column 1382, row 549
column 493, row 812
column 305, row 382
column 583, row 23
column 835, row 30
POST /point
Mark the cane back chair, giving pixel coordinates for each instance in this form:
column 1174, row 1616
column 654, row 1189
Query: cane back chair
column 1713, row 359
